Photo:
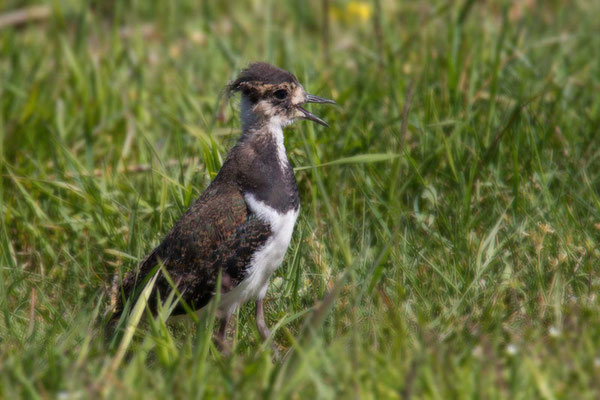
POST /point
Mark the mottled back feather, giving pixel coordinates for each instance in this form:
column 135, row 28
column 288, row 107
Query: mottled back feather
column 215, row 233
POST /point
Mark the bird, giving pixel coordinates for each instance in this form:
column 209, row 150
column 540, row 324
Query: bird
column 238, row 230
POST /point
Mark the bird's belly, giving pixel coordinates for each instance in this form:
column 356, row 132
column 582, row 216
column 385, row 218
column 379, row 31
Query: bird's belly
column 265, row 260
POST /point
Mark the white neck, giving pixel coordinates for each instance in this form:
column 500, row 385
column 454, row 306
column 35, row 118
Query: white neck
column 277, row 133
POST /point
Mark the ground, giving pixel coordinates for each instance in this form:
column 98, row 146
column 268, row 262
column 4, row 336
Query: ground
column 447, row 244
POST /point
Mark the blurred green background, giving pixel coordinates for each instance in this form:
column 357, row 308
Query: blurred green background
column 447, row 245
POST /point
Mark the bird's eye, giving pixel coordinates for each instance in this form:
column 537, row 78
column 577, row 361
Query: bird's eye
column 280, row 94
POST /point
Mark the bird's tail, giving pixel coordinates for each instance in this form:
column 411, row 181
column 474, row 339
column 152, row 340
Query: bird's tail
column 114, row 292
column 122, row 289
column 115, row 309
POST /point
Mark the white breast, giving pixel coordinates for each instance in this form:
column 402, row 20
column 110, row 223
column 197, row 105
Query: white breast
column 266, row 260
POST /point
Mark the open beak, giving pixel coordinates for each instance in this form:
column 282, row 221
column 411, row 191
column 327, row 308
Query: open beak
column 310, row 116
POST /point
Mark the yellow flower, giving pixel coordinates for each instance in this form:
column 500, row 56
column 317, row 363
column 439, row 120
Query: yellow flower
column 359, row 10
column 354, row 11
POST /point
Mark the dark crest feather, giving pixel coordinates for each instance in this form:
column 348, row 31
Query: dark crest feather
column 260, row 73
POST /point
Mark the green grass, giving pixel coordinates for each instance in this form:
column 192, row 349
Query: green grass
column 447, row 245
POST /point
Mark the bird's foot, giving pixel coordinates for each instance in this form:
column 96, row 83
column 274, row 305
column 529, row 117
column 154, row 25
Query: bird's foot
column 264, row 331
column 224, row 345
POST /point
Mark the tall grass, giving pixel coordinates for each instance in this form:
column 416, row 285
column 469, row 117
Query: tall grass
column 447, row 245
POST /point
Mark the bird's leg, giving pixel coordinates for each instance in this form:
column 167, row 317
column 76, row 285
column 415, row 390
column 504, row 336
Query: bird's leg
column 222, row 342
column 260, row 320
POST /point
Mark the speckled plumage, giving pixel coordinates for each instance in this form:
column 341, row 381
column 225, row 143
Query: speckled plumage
column 216, row 232
column 222, row 232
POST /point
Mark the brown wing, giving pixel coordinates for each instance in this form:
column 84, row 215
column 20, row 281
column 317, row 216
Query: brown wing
column 214, row 217
column 200, row 243
column 232, row 257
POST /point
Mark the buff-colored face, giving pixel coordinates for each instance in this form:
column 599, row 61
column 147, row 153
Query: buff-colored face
column 273, row 95
column 277, row 102
column 282, row 103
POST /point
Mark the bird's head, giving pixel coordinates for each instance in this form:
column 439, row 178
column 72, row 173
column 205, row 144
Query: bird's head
column 274, row 96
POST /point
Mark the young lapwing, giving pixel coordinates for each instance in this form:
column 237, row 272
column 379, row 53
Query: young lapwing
column 241, row 226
